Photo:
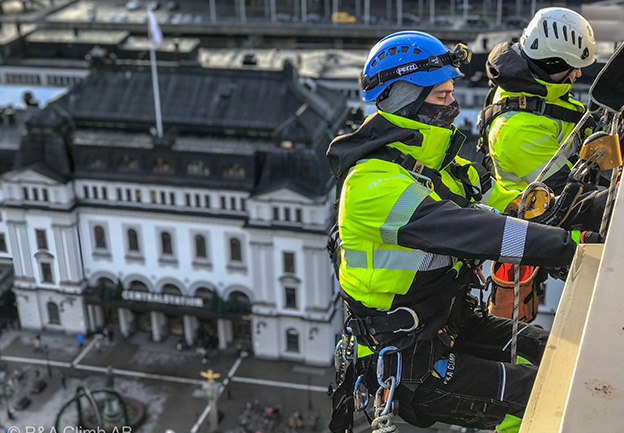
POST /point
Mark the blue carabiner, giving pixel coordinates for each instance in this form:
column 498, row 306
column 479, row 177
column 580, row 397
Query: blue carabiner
column 357, row 392
column 380, row 365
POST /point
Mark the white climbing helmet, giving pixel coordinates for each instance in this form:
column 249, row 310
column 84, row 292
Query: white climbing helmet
column 559, row 34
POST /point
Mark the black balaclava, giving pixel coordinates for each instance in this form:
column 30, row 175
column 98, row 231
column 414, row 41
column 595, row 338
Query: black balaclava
column 438, row 115
column 419, row 110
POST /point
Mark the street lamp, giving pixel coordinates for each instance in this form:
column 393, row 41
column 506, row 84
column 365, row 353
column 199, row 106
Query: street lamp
column 47, row 355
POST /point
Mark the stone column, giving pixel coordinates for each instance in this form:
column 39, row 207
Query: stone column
column 126, row 324
column 190, row 329
column 225, row 332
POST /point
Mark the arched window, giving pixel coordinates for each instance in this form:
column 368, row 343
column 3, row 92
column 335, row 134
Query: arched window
column 100, row 237
column 171, row 289
column 139, row 286
column 165, row 243
column 128, row 163
column 133, row 240
column 233, row 171
column 204, row 293
column 197, row 168
column 200, row 247
column 54, row 317
column 292, row 340
column 236, row 254
column 239, row 302
column 105, row 283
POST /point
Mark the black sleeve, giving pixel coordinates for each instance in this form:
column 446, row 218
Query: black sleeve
column 441, row 227
column 586, row 214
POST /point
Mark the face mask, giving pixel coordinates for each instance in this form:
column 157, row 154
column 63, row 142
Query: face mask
column 438, row 115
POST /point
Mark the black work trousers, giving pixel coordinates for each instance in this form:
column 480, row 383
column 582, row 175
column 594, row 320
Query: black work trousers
column 480, row 385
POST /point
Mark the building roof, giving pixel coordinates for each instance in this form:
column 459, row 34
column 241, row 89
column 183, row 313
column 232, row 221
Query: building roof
column 247, row 130
column 202, row 100
column 317, row 64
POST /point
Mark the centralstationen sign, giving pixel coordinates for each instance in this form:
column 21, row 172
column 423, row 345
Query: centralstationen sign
column 162, row 298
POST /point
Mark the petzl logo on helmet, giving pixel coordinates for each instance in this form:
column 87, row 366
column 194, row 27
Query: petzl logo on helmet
column 408, row 69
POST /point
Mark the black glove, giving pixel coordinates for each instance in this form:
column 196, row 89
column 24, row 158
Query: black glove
column 557, row 213
column 560, row 273
column 586, row 237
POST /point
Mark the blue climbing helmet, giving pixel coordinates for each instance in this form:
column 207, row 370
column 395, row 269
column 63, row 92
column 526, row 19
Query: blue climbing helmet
column 411, row 56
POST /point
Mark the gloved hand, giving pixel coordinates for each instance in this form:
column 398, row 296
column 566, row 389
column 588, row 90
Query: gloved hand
column 556, row 214
column 560, row 273
column 586, row 237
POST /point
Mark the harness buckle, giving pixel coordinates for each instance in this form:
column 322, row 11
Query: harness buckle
column 414, row 316
column 522, row 102
column 541, row 106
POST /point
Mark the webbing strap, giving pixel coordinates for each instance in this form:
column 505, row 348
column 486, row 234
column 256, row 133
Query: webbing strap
column 531, row 104
column 409, row 163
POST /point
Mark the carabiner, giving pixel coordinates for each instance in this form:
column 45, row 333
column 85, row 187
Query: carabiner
column 358, row 395
column 382, row 400
column 380, row 365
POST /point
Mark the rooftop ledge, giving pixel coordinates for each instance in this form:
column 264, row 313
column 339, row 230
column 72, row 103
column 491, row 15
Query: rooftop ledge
column 580, row 383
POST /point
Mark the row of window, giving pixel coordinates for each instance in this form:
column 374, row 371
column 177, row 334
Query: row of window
column 163, row 197
column 162, row 166
column 35, row 194
column 286, row 214
column 166, row 244
column 52, row 80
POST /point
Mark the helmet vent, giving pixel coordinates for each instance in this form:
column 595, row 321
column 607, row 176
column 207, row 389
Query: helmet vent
column 404, row 49
column 573, row 37
column 392, row 51
column 580, row 41
column 374, row 63
column 555, row 31
column 382, row 55
column 545, row 28
column 534, row 44
column 564, row 29
column 585, row 54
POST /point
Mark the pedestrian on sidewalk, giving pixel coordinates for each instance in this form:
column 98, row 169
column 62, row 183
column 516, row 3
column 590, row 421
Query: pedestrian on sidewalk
column 80, row 338
column 37, row 343
column 106, row 334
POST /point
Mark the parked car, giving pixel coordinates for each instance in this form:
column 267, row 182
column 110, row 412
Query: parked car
column 342, row 17
column 134, row 5
column 313, row 18
column 516, row 22
column 411, row 19
column 153, row 5
column 476, row 23
column 283, row 17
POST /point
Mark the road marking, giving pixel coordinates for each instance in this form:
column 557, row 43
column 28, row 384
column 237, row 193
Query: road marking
column 235, row 366
column 142, row 375
column 278, row 384
column 84, row 352
column 35, row 361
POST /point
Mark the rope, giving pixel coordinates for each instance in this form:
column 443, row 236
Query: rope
column 384, row 424
column 606, row 216
column 563, row 146
column 516, row 299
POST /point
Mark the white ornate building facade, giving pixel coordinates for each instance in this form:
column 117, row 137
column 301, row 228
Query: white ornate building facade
column 215, row 232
